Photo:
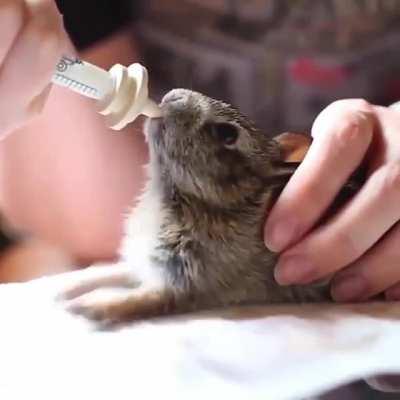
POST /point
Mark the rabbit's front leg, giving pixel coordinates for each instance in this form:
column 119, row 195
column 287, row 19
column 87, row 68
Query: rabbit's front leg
column 111, row 294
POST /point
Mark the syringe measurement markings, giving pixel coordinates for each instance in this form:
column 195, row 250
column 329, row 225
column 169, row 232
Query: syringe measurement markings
column 75, row 84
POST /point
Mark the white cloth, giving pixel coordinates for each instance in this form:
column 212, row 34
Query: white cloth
column 246, row 353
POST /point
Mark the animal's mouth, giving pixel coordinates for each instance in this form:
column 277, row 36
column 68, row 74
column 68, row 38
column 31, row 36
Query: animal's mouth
column 155, row 126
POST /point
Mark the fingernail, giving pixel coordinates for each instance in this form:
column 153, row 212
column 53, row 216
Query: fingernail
column 294, row 269
column 393, row 294
column 349, row 288
column 279, row 234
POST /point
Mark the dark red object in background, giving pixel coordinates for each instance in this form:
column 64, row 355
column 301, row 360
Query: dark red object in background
column 311, row 72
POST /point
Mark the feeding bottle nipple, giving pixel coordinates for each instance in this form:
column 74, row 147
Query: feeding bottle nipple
column 129, row 97
column 121, row 93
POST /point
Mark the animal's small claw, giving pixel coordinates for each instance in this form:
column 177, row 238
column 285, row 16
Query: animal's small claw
column 97, row 277
column 86, row 310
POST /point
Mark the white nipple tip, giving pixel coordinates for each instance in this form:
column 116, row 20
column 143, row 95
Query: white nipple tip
column 121, row 93
column 130, row 97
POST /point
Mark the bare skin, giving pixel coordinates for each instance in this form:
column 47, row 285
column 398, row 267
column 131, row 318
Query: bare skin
column 63, row 169
column 194, row 240
column 101, row 172
column 360, row 245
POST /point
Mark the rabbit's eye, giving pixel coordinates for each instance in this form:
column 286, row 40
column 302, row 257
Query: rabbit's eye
column 224, row 132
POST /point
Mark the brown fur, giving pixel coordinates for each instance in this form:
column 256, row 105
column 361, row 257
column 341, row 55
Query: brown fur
column 195, row 239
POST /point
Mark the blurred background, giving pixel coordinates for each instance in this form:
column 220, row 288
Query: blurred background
column 280, row 61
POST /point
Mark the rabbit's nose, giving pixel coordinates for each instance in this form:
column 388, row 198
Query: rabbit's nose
column 173, row 98
column 176, row 96
column 180, row 108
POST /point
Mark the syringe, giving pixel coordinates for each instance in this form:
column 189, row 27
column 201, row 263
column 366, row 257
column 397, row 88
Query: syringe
column 121, row 93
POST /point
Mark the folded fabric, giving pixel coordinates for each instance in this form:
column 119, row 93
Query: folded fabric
column 268, row 352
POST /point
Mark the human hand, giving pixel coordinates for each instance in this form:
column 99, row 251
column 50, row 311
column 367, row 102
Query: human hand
column 31, row 42
column 360, row 245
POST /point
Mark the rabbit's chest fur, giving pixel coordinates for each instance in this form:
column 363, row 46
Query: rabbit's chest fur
column 209, row 255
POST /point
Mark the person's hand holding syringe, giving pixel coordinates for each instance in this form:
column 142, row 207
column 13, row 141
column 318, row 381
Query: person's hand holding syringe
column 63, row 178
column 32, row 40
column 32, row 45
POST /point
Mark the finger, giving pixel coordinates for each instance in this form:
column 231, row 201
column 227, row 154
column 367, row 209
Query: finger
column 38, row 102
column 373, row 273
column 29, row 65
column 393, row 293
column 11, row 22
column 343, row 133
column 355, row 229
column 35, row 107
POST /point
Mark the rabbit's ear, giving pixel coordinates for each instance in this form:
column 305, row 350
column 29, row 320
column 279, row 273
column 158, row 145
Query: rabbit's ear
column 293, row 146
column 291, row 150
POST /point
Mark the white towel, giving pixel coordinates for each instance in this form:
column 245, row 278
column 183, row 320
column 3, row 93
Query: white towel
column 288, row 352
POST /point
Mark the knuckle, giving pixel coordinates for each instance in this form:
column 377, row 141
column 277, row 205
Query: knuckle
column 356, row 130
column 362, row 105
column 339, row 104
column 347, row 246
column 353, row 104
column 346, row 120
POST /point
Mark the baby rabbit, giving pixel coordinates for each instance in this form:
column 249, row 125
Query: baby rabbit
column 195, row 239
